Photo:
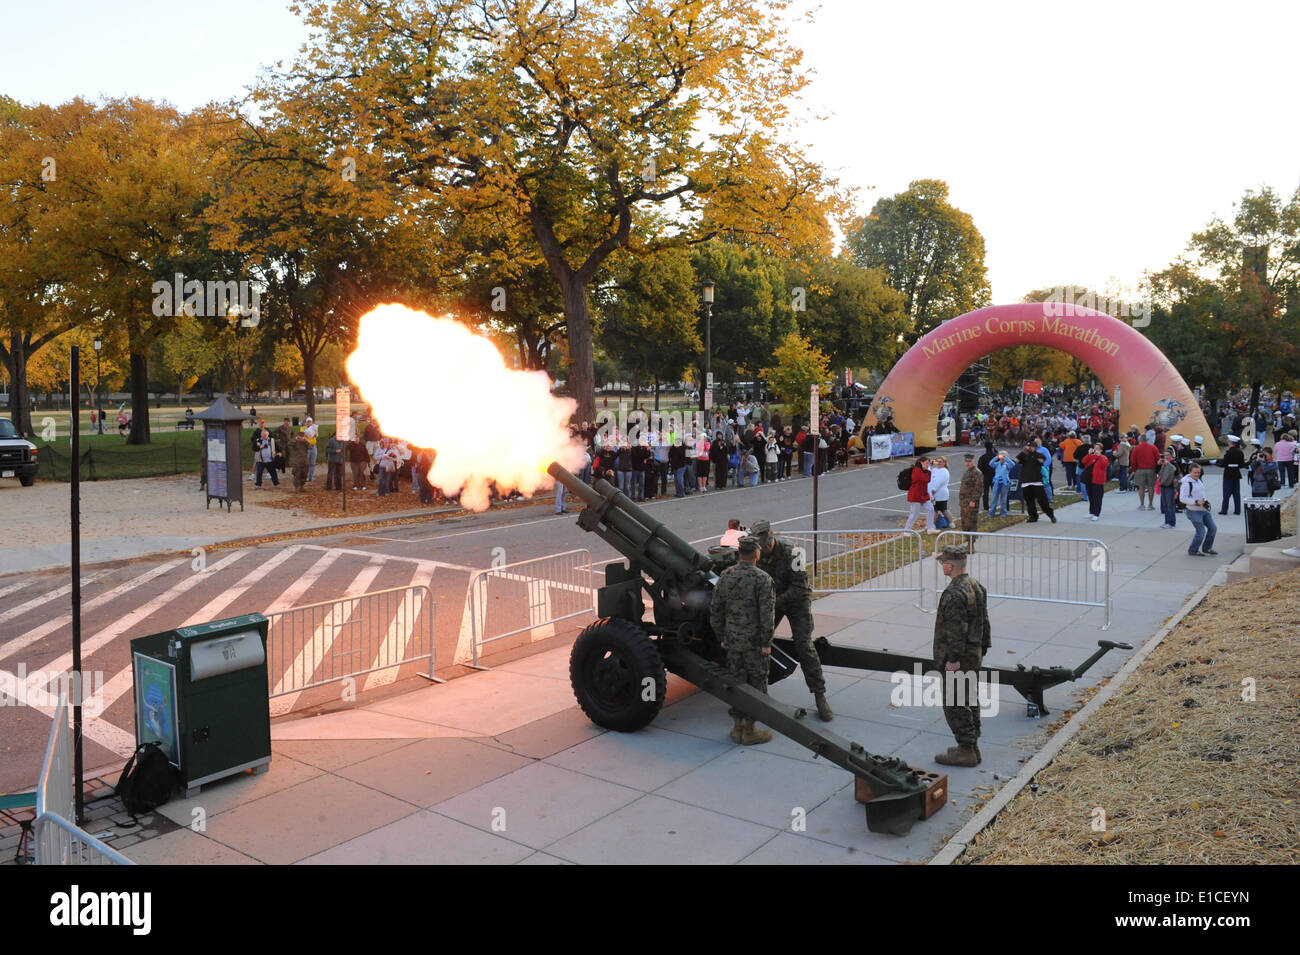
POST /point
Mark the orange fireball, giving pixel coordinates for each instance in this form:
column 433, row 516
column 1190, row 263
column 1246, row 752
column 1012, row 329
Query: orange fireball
column 434, row 383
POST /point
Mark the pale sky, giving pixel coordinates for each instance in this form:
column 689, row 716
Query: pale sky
column 1086, row 141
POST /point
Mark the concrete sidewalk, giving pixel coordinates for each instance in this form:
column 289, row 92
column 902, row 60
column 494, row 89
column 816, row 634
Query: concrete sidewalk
column 502, row 767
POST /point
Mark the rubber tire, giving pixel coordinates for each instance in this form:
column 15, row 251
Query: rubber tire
column 610, row 693
column 27, row 480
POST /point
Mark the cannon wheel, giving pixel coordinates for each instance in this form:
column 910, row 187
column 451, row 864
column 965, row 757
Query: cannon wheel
column 611, row 661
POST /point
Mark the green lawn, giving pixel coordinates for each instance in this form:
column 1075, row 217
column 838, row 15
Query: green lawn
column 108, row 457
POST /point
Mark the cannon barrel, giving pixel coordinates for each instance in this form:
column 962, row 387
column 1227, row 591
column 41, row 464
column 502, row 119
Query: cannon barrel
column 612, row 516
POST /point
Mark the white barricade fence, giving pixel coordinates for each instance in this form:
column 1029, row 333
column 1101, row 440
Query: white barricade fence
column 58, row 840
column 1067, row 570
column 529, row 595
column 861, row 560
column 333, row 640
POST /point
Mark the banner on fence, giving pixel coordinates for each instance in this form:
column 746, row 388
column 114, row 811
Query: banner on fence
column 881, row 447
column 902, row 444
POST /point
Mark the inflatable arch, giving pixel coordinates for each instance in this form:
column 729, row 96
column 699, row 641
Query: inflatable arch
column 1150, row 387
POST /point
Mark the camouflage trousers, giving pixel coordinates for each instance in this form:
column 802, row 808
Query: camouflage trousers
column 961, row 707
column 801, row 626
column 299, row 476
column 749, row 665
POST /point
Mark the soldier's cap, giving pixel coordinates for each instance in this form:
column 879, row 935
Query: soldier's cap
column 1233, row 438
column 748, row 545
column 1255, row 441
column 953, row 552
column 761, row 531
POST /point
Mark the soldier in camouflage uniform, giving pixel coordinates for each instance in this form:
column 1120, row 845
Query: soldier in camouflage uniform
column 972, row 489
column 961, row 638
column 794, row 601
column 741, row 614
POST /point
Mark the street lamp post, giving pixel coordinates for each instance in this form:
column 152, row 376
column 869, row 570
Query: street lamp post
column 708, row 337
column 99, row 385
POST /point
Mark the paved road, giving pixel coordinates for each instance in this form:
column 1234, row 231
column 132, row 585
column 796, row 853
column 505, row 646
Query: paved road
column 153, row 594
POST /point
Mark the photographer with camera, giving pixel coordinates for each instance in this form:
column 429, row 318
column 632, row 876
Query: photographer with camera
column 1192, row 493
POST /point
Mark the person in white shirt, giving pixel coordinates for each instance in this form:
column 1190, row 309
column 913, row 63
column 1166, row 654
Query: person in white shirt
column 939, row 488
column 310, row 433
column 1192, row 493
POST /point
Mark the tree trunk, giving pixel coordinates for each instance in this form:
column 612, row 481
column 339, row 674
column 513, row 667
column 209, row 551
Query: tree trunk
column 582, row 368
column 309, row 381
column 139, row 399
column 1254, row 400
column 636, row 389
column 20, row 411
column 656, row 392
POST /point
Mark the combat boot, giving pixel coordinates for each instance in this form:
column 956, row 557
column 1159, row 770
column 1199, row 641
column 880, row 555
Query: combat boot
column 750, row 735
column 738, row 728
column 823, row 708
column 963, row 754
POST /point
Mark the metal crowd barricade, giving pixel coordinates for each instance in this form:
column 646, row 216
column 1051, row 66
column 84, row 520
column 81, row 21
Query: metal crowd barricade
column 516, row 598
column 1065, row 570
column 861, row 560
column 325, row 642
column 59, row 841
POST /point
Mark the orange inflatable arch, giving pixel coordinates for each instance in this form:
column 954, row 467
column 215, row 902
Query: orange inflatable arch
column 1150, row 387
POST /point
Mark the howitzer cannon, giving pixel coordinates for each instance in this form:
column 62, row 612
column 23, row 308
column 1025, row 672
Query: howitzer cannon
column 1030, row 682
column 619, row 664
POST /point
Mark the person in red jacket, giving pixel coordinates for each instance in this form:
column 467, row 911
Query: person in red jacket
column 1095, row 464
column 918, row 496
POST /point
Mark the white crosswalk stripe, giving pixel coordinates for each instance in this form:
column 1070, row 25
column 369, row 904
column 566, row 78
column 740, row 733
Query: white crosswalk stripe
column 214, row 608
column 322, row 639
column 58, row 623
column 143, row 612
column 111, row 737
column 45, row 598
column 387, row 658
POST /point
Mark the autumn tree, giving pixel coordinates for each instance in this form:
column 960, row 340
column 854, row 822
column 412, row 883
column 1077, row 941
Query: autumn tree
column 1254, row 262
column 581, row 125
column 36, row 265
column 797, row 367
column 849, row 312
column 129, row 184
column 928, row 249
column 649, row 312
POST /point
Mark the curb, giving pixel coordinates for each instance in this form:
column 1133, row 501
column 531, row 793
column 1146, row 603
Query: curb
column 955, row 846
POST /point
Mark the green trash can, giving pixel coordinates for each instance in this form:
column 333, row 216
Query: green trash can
column 200, row 693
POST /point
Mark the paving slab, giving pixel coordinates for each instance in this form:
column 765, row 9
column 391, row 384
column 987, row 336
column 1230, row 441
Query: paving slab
column 430, row 771
column 423, row 838
column 547, row 736
column 644, row 760
column 333, row 754
column 763, row 788
column 305, row 819
column 655, row 830
column 538, row 804
column 485, row 704
column 790, row 848
column 361, row 723
column 226, row 794
column 185, row 847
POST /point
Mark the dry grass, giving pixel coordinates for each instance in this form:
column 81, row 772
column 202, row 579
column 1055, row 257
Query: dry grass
column 1185, row 768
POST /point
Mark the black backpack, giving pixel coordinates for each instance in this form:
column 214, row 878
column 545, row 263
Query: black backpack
column 905, row 479
column 148, row 779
